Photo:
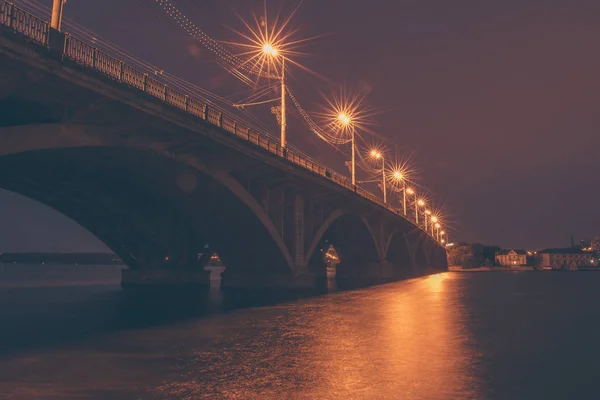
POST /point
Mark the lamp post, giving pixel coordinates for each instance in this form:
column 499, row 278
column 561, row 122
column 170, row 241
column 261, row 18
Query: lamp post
column 400, row 178
column 57, row 11
column 434, row 221
column 419, row 203
column 410, row 192
column 377, row 155
column 353, row 157
column 437, row 230
column 283, row 114
column 346, row 120
column 427, row 212
column 268, row 49
column 442, row 233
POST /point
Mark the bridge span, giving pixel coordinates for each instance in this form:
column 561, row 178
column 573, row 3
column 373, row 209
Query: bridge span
column 165, row 181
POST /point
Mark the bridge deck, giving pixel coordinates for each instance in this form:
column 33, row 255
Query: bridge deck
column 85, row 55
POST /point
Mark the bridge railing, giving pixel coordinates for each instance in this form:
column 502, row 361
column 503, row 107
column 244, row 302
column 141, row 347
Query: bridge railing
column 85, row 54
column 23, row 22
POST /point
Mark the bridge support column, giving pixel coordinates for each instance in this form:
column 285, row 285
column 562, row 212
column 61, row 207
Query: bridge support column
column 302, row 279
column 165, row 278
column 386, row 271
column 254, row 279
column 299, row 232
column 426, row 270
column 331, row 270
column 370, row 273
column 405, row 271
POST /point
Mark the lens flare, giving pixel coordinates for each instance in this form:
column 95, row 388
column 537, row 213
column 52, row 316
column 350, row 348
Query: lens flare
column 376, row 154
column 344, row 118
column 342, row 113
column 266, row 43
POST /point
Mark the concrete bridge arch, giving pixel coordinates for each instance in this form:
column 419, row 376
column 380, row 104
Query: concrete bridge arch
column 353, row 239
column 399, row 254
column 28, row 152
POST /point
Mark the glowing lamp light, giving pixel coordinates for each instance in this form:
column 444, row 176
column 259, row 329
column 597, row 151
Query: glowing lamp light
column 433, row 219
column 437, row 226
column 410, row 191
column 427, row 212
column 375, row 154
column 398, row 175
column 344, row 118
column 421, row 203
column 442, row 233
column 269, row 49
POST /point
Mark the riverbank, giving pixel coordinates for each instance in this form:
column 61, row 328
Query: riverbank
column 490, row 269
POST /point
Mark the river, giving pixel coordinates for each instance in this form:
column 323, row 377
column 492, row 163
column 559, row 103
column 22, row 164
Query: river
column 72, row 333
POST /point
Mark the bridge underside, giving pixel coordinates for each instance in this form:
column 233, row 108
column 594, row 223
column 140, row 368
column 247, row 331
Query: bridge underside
column 158, row 215
column 165, row 190
column 165, row 219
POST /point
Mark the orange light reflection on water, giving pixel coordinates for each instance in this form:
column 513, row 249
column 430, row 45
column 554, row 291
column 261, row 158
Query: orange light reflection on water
column 435, row 283
column 404, row 342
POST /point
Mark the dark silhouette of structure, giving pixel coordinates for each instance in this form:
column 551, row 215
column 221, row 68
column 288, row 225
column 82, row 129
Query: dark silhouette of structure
column 164, row 181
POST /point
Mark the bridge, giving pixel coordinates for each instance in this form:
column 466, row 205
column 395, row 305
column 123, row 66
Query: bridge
column 165, row 181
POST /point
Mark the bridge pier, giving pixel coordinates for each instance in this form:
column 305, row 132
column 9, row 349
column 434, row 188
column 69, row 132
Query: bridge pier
column 165, row 278
column 268, row 280
column 374, row 272
column 304, row 279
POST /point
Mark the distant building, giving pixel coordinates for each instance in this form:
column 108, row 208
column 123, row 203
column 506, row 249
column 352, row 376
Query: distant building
column 511, row 258
column 595, row 244
column 569, row 258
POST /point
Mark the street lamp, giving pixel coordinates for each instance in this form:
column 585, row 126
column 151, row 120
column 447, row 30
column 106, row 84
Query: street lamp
column 269, row 50
column 411, row 192
column 399, row 176
column 437, row 227
column 57, row 12
column 427, row 212
column 345, row 120
column 434, row 221
column 377, row 155
column 419, row 203
column 442, row 233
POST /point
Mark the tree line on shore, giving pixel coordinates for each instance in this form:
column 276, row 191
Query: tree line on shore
column 472, row 255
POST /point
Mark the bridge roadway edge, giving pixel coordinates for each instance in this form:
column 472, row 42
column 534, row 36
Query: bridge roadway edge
column 151, row 105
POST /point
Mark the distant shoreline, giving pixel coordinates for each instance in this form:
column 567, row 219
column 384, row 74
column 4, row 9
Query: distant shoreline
column 489, row 269
column 60, row 258
column 505, row 269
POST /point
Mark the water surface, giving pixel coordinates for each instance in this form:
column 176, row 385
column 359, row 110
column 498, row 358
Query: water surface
column 524, row 335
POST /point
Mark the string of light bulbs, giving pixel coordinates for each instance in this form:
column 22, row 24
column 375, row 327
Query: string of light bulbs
column 224, row 55
column 314, row 127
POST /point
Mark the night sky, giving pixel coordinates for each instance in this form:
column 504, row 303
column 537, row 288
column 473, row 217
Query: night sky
column 496, row 102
